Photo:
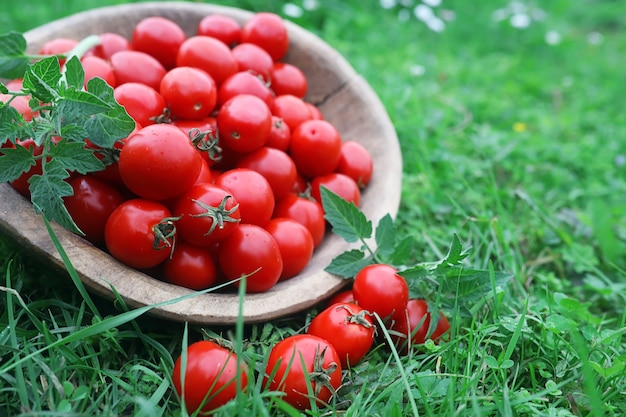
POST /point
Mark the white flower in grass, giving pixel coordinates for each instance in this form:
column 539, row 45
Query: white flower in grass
column 417, row 70
column 292, row 10
column 553, row 37
column 388, row 4
column 310, row 4
column 423, row 12
column 595, row 38
column 432, row 3
column 520, row 20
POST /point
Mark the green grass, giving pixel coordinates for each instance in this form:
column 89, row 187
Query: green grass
column 515, row 145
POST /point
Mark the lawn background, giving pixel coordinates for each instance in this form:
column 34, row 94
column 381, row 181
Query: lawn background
column 514, row 144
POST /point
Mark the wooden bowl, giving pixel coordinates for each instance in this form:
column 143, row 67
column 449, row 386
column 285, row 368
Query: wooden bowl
column 345, row 99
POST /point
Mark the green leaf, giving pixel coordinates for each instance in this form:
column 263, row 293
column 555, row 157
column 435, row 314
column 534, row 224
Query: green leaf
column 74, row 73
column 78, row 105
column 455, row 256
column 73, row 133
column 385, row 237
column 13, row 59
column 471, row 284
column 402, row 251
column 73, row 156
column 348, row 264
column 345, row 218
column 41, row 79
column 11, row 123
column 14, row 162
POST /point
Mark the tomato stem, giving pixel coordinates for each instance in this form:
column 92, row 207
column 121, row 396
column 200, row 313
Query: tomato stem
column 320, row 375
column 218, row 214
column 164, row 231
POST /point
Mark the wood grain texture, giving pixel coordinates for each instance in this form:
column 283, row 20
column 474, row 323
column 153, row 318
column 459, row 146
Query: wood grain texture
column 345, row 99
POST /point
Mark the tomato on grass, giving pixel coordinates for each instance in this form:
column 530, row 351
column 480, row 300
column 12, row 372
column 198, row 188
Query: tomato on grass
column 412, row 326
column 379, row 289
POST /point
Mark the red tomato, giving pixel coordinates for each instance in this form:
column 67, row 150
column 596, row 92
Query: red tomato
column 347, row 327
column 98, row 67
column 342, row 185
column 20, row 103
column 314, row 111
column 275, row 165
column 254, row 59
column 221, row 27
column 293, row 110
column 91, row 205
column 137, row 67
column 280, row 134
column 138, row 233
column 288, row 79
column 245, row 82
column 190, row 267
column 142, row 102
column 346, row 296
column 253, row 193
column 110, row 43
column 159, row 37
column 212, row 376
column 159, row 162
column 295, row 243
column 296, row 358
column 306, row 211
column 251, row 250
column 267, row 30
column 356, row 162
column 379, row 289
column 208, row 54
column 315, row 148
column 190, row 93
column 414, row 322
column 58, row 46
column 244, row 123
column 208, row 214
column 203, row 134
column 21, row 184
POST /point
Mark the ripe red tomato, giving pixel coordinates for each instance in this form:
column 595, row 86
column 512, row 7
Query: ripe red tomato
column 346, row 296
column 91, row 205
column 295, row 243
column 379, row 289
column 306, row 211
column 159, row 37
column 138, row 67
column 142, row 102
column 288, row 79
column 209, row 54
column 293, row 110
column 159, row 162
column 190, row 93
column 251, row 250
column 267, row 30
column 254, row 59
column 356, row 162
column 253, row 193
column 137, row 233
column 244, row 123
column 347, row 327
column 221, row 27
column 314, row 111
column 297, row 358
column 315, row 148
column 98, row 67
column 190, row 267
column 203, row 134
column 340, row 184
column 275, row 165
column 208, row 214
column 414, row 323
column 110, row 43
column 280, row 134
column 244, row 82
column 212, row 376
column 58, row 46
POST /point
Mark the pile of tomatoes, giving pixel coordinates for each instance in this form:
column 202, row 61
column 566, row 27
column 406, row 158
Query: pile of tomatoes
column 221, row 176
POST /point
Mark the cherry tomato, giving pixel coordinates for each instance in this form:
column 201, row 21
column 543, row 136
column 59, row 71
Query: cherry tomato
column 356, row 162
column 379, row 289
column 253, row 193
column 221, row 27
column 414, row 322
column 297, row 358
column 190, row 93
column 139, row 67
column 293, row 110
column 191, row 267
column 208, row 214
column 295, row 243
column 347, row 327
column 212, row 376
column 314, row 111
column 98, row 67
column 254, row 59
column 267, row 30
column 110, row 43
column 288, row 79
column 209, row 54
column 58, row 46
column 342, row 185
column 345, row 296
column 275, row 165
column 142, row 102
column 244, row 82
column 203, row 134
column 138, row 233
column 280, row 134
column 244, row 123
column 159, row 37
column 251, row 250
column 159, row 162
column 91, row 205
column 306, row 211
column 315, row 148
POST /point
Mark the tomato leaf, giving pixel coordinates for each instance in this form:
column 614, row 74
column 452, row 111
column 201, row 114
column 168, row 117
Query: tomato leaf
column 345, row 218
column 385, row 237
column 73, row 156
column 348, row 263
column 14, row 162
column 11, row 122
column 42, row 78
column 74, row 73
column 13, row 60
